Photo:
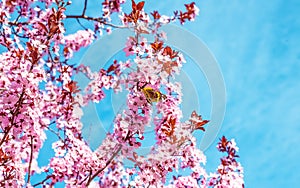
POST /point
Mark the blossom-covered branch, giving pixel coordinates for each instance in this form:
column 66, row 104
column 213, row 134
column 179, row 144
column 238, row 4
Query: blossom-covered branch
column 38, row 94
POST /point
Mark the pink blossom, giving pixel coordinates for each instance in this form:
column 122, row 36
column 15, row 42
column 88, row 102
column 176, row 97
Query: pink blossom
column 74, row 42
column 129, row 46
column 40, row 100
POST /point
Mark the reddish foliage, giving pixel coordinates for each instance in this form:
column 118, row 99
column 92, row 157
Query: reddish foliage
column 197, row 121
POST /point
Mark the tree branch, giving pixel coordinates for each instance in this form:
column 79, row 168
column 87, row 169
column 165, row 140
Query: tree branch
column 84, row 8
column 107, row 163
column 100, row 20
column 19, row 102
column 57, row 134
column 48, row 177
column 30, row 160
column 77, row 19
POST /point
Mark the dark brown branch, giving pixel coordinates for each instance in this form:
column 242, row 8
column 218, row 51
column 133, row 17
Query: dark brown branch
column 57, row 134
column 30, row 160
column 107, row 163
column 84, row 8
column 48, row 177
column 17, row 23
column 86, row 177
column 100, row 20
column 14, row 114
column 77, row 19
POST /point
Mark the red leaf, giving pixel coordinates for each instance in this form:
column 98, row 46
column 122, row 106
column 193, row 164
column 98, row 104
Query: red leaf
column 112, row 68
column 197, row 121
column 169, row 126
column 140, row 5
column 29, row 46
column 200, row 125
column 224, row 141
column 155, row 15
column 200, row 128
column 72, row 86
column 43, row 26
column 190, row 7
column 137, row 7
column 157, row 45
column 172, row 122
column 168, row 51
column 133, row 5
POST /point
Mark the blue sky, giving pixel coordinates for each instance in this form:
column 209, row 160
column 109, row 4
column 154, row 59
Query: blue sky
column 256, row 44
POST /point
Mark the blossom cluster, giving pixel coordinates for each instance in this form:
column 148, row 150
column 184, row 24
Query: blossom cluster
column 229, row 172
column 39, row 97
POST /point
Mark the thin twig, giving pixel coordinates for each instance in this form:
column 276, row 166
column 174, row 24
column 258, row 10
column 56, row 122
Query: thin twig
column 42, row 182
column 100, row 20
column 19, row 102
column 30, row 160
column 107, row 163
column 84, row 8
column 86, row 177
column 77, row 19
column 51, row 130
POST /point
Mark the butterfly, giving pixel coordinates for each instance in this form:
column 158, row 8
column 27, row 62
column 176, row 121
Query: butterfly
column 152, row 95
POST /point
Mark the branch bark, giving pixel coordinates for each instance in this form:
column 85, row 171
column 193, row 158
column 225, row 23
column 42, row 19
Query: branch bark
column 100, row 20
column 107, row 163
column 42, row 182
column 30, row 160
column 14, row 114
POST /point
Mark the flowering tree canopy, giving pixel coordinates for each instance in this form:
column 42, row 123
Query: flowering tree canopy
column 38, row 94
